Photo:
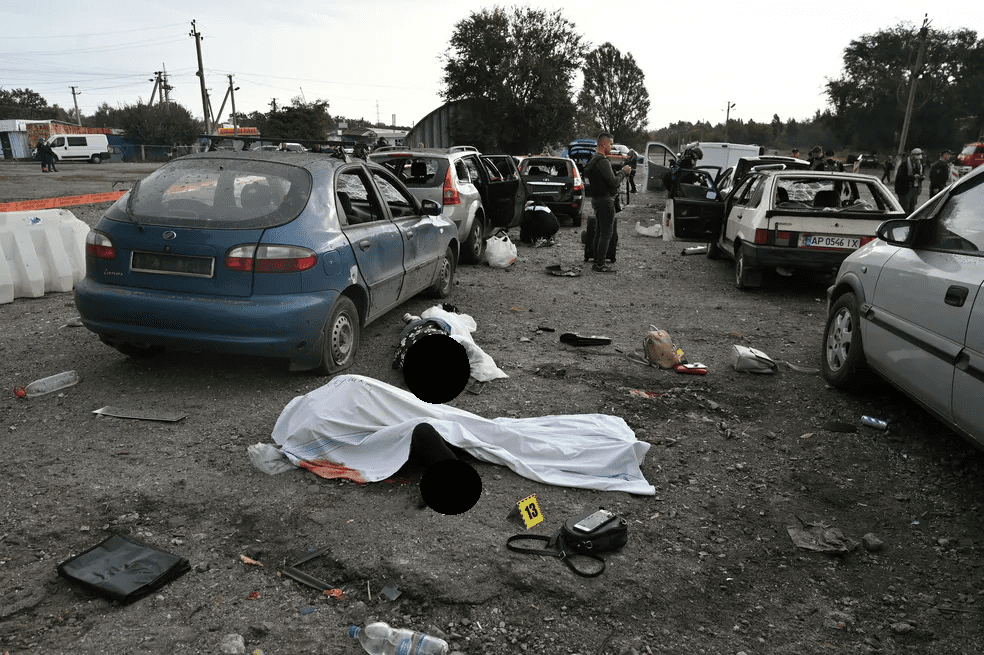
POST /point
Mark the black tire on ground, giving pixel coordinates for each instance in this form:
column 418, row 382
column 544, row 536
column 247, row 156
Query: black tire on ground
column 576, row 219
column 842, row 359
column 340, row 340
column 445, row 281
column 96, row 159
column 474, row 246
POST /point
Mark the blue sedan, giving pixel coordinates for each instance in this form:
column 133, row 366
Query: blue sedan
column 272, row 254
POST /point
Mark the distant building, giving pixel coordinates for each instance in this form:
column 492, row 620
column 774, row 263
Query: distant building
column 19, row 137
column 371, row 135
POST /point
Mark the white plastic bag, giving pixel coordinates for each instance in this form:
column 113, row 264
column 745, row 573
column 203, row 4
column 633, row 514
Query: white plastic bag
column 482, row 366
column 500, row 252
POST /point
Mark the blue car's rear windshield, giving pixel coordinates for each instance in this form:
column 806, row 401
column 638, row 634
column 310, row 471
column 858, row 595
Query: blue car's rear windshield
column 222, row 194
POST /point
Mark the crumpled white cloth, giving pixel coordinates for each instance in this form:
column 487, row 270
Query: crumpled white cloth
column 482, row 366
column 365, row 424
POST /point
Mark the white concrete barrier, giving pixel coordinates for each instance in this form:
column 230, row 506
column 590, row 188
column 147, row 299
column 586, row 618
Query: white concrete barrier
column 40, row 251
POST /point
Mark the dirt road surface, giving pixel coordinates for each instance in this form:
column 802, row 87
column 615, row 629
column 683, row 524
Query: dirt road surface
column 710, row 566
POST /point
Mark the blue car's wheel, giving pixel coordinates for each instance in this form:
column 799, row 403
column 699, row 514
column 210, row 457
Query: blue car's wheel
column 445, row 281
column 340, row 341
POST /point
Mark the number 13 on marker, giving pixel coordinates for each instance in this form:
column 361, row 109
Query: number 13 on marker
column 529, row 509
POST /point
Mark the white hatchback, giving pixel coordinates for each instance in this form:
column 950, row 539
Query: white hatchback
column 909, row 307
column 786, row 220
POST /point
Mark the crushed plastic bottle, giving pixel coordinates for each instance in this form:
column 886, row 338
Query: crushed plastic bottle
column 51, row 384
column 380, row 639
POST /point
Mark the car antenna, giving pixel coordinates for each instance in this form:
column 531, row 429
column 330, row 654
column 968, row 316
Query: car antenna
column 129, row 205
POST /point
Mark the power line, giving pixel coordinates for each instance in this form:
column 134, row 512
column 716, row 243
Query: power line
column 109, row 48
column 64, row 36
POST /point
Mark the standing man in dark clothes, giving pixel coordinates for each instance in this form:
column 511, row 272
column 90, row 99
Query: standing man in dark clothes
column 939, row 173
column 816, row 159
column 889, row 167
column 604, row 184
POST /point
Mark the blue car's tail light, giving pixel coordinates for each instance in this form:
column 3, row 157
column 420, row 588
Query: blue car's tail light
column 270, row 259
column 99, row 245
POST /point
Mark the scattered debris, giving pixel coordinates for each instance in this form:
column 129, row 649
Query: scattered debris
column 818, row 537
column 751, row 360
column 390, row 592
column 564, row 271
column 584, row 340
column 839, row 426
column 696, row 250
column 654, row 230
column 872, row 543
column 249, row 560
column 123, row 568
column 168, row 417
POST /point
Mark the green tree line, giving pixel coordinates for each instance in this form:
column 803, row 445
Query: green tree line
column 515, row 71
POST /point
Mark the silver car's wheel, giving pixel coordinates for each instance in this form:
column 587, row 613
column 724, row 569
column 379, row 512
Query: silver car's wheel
column 474, row 246
column 842, row 357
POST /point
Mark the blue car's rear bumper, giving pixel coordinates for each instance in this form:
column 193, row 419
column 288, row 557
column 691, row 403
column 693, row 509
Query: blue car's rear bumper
column 269, row 326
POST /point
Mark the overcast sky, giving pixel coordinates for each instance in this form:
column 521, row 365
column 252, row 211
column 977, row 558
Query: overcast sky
column 375, row 58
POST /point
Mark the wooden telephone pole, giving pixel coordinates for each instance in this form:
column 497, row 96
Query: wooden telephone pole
column 201, row 76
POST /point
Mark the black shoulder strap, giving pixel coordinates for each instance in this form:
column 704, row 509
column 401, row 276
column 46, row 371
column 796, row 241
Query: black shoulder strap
column 555, row 548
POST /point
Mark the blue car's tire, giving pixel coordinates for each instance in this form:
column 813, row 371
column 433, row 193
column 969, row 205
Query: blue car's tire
column 340, row 340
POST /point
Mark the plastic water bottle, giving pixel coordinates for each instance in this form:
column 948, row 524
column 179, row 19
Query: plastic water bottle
column 52, row 383
column 380, row 639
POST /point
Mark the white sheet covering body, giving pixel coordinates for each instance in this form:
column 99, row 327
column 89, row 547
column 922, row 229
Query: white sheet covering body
column 366, row 425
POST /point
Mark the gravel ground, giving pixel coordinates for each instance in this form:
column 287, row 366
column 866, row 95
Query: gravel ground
column 710, row 566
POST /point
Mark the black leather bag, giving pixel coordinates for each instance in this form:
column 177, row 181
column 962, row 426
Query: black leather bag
column 585, row 535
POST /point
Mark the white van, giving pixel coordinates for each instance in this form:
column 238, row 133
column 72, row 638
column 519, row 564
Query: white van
column 80, row 147
column 718, row 156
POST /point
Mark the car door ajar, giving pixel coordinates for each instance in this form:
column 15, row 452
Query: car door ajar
column 658, row 161
column 375, row 240
column 924, row 321
column 504, row 167
column 696, row 211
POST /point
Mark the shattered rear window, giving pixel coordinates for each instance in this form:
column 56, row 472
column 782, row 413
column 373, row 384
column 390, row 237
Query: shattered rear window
column 222, row 194
column 840, row 195
column 415, row 171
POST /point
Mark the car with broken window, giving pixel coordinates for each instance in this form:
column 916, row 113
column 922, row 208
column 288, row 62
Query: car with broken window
column 733, row 175
column 909, row 307
column 782, row 220
column 480, row 194
column 274, row 254
column 555, row 182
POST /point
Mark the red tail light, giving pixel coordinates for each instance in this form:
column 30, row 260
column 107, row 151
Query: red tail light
column 762, row 237
column 270, row 259
column 865, row 240
column 451, row 196
column 99, row 246
column 578, row 184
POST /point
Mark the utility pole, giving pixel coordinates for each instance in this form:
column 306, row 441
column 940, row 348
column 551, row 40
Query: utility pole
column 914, row 79
column 165, row 87
column 235, row 120
column 157, row 82
column 201, row 76
column 78, row 116
column 727, row 118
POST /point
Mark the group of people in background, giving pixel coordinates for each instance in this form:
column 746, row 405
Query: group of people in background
column 908, row 178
